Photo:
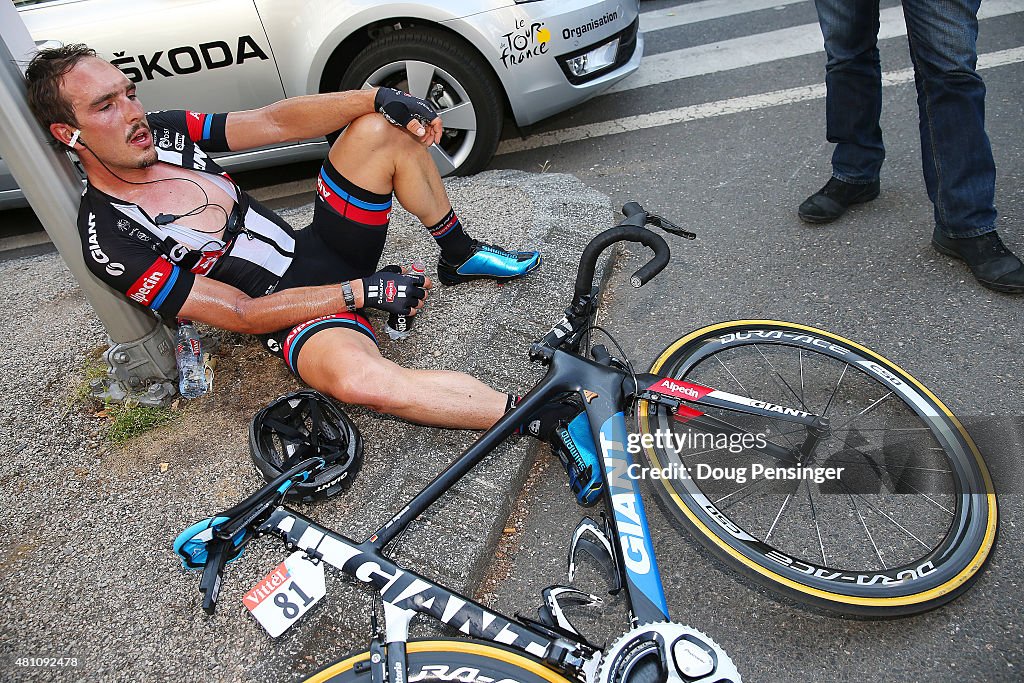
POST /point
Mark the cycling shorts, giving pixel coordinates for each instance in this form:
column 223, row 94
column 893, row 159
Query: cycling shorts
column 344, row 241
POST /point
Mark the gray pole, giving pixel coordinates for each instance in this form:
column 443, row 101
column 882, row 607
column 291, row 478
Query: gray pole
column 141, row 357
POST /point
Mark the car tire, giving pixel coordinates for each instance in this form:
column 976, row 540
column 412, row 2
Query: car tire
column 452, row 77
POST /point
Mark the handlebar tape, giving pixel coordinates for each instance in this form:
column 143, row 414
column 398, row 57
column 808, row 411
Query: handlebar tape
column 622, row 233
column 631, row 209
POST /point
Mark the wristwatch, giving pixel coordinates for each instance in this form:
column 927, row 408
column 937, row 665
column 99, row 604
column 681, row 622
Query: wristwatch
column 350, row 297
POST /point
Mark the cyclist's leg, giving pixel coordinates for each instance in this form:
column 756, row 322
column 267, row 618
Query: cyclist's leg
column 447, row 660
column 906, row 525
column 346, row 364
column 383, row 159
column 380, row 158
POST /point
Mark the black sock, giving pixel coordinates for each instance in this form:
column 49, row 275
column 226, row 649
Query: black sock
column 455, row 244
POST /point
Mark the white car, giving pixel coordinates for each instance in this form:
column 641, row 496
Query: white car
column 475, row 60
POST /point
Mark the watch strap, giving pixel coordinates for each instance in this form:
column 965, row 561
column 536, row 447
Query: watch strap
column 350, row 297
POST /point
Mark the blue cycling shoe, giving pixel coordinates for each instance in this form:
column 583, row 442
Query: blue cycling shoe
column 488, row 261
column 574, row 446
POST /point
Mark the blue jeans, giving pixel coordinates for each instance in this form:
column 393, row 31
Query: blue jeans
column 959, row 171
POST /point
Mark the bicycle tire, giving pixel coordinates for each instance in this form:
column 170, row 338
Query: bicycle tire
column 446, row 660
column 927, row 462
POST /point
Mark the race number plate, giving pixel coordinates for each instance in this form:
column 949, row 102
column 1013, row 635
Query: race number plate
column 286, row 593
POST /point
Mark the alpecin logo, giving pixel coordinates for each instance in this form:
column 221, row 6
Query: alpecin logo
column 684, row 389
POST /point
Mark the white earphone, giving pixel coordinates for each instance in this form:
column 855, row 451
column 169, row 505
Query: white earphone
column 74, row 138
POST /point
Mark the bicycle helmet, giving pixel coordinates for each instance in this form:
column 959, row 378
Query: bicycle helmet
column 306, row 424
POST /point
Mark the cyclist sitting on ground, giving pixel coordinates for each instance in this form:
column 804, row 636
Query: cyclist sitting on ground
column 163, row 224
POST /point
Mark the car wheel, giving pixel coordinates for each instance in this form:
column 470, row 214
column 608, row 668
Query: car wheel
column 443, row 70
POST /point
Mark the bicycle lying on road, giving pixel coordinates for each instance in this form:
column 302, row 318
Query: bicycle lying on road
column 809, row 463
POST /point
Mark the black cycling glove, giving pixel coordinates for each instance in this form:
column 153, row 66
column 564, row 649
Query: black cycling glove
column 400, row 108
column 389, row 290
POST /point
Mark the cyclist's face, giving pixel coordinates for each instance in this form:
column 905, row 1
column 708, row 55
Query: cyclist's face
column 110, row 116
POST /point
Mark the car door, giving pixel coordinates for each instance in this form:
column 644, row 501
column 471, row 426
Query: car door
column 204, row 55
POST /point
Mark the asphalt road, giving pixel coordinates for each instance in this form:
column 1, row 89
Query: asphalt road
column 736, row 179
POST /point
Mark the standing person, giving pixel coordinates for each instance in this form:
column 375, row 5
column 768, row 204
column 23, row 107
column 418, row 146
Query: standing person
column 161, row 223
column 959, row 171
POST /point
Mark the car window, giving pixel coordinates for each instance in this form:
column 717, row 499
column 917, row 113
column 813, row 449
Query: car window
column 19, row 3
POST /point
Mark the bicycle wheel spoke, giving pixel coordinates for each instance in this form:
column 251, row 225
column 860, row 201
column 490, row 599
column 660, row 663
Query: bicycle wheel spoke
column 814, row 517
column 895, row 429
column 931, row 470
column 779, row 375
column 863, row 412
column 734, row 377
column 868, row 532
column 778, row 516
column 835, row 390
column 928, row 498
column 894, row 522
column 749, row 488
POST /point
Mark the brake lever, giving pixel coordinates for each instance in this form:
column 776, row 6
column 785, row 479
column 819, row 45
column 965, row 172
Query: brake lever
column 670, row 227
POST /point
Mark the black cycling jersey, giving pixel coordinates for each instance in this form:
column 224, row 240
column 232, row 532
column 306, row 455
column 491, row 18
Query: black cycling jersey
column 150, row 263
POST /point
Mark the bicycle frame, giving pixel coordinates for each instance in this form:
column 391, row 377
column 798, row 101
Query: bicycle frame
column 406, row 593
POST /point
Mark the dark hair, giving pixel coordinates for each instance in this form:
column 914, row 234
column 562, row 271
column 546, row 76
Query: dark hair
column 45, row 76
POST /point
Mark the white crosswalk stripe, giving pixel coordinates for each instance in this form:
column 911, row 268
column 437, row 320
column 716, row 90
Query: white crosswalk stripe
column 739, row 53
column 733, row 105
column 796, row 41
column 670, row 17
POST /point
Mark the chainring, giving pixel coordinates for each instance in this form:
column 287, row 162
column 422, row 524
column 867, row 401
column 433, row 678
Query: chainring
column 682, row 655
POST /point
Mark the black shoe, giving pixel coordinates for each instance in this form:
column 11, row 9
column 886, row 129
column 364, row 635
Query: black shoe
column 991, row 263
column 832, row 201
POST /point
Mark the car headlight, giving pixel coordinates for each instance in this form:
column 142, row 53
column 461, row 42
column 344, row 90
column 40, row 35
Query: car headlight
column 601, row 57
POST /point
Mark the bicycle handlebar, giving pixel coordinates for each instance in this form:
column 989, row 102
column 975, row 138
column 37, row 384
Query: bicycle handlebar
column 630, row 209
column 629, row 230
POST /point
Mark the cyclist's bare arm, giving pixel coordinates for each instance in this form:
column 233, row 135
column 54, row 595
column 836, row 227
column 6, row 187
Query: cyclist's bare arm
column 228, row 308
column 297, row 118
column 309, row 116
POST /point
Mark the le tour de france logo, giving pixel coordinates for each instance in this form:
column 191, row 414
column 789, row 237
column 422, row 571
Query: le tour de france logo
column 524, row 43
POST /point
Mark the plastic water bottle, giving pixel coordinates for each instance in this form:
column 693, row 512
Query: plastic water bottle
column 188, row 352
column 399, row 326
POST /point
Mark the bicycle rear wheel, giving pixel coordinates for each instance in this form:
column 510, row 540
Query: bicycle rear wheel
column 470, row 661
column 905, row 526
